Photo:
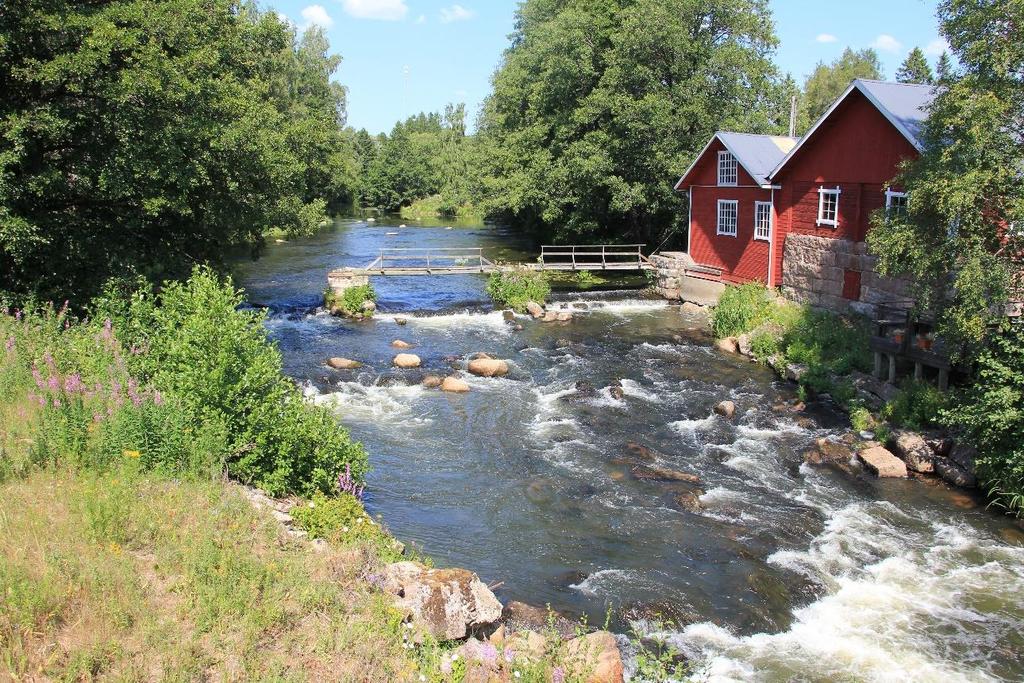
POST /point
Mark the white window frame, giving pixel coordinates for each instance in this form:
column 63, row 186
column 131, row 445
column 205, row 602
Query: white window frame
column 890, row 195
column 727, row 162
column 765, row 234
column 719, row 229
column 822, row 192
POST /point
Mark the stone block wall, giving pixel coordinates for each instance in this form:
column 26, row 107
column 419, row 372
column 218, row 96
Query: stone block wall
column 814, row 269
column 675, row 284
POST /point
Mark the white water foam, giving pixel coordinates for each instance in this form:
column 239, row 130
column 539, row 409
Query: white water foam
column 931, row 606
column 374, row 403
column 460, row 321
column 605, row 581
column 634, row 389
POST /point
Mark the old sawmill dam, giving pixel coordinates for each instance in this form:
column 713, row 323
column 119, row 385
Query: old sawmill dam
column 785, row 570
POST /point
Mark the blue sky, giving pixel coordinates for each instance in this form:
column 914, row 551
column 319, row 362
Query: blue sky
column 406, row 56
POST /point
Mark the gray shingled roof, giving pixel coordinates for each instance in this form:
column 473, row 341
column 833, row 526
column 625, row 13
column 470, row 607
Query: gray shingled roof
column 905, row 104
column 758, row 154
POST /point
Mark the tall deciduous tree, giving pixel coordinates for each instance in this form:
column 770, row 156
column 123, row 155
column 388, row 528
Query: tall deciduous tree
column 599, row 105
column 828, row 81
column 961, row 241
column 148, row 135
column 915, row 69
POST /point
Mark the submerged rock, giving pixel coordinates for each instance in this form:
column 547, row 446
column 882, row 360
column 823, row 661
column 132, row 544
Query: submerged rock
column 617, row 392
column 432, row 381
column 399, row 344
column 407, row 360
column 550, row 317
column 564, row 317
column 508, row 315
column 828, row 452
column 488, row 367
column 402, row 321
column 448, row 603
column 454, row 385
column 883, row 463
column 655, row 473
column 726, row 409
column 690, row 500
column 344, row 364
column 585, row 389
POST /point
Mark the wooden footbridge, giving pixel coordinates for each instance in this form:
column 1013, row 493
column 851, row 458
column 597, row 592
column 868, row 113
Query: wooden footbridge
column 465, row 260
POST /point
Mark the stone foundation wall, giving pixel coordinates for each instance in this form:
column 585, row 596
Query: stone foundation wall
column 814, row 269
column 675, row 284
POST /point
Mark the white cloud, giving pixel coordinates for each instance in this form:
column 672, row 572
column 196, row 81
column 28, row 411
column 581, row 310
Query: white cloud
column 421, row 19
column 386, row 10
column 318, row 16
column 887, row 43
column 936, row 47
column 455, row 13
column 826, row 38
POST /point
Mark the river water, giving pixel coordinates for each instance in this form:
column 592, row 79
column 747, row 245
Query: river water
column 787, row 572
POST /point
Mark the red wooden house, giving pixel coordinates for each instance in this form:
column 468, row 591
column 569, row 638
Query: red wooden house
column 821, row 192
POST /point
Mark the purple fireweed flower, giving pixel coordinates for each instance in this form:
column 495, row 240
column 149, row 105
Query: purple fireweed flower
column 108, row 331
column 17, row 315
column 53, row 384
column 346, row 484
column 38, row 377
column 558, row 675
column 133, row 392
column 158, row 398
column 97, row 417
column 42, row 401
column 56, row 403
column 9, row 346
column 73, row 383
column 50, row 363
column 509, row 654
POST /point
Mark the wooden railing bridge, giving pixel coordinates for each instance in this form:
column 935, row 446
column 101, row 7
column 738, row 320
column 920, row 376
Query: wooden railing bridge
column 463, row 260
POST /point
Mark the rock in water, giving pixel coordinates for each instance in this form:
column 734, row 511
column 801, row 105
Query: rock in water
column 726, row 409
column 399, row 344
column 449, row 603
column 912, row 449
column 952, row 473
column 595, row 658
column 344, row 364
column 828, row 452
column 550, row 317
column 729, row 345
column 432, row 381
column 520, row 616
column 407, row 360
column 402, row 321
column 488, row 367
column 585, row 389
column 564, row 317
column 369, row 305
column 883, row 463
column 617, row 393
column 454, row 385
column 534, row 309
column 508, row 315
column 690, row 501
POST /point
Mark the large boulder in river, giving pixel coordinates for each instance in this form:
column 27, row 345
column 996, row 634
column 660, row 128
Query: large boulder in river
column 431, row 381
column 726, row 409
column 534, row 309
column 883, row 463
column 399, row 344
column 488, row 367
column 912, row 449
column 519, row 616
column 448, row 603
column 594, row 658
column 454, row 385
column 407, row 360
column 344, row 364
column 550, row 317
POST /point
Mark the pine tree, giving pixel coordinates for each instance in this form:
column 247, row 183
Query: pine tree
column 915, row 69
column 944, row 67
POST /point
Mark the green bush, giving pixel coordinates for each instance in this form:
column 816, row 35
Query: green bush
column 350, row 301
column 183, row 382
column 342, row 519
column 515, row 288
column 990, row 413
column 741, row 309
column 918, row 405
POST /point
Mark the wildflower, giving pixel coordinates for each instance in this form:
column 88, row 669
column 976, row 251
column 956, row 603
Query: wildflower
column 73, row 383
column 108, row 333
column 17, row 315
column 56, row 403
column 132, row 454
column 455, row 657
column 9, row 346
column 114, row 548
column 53, row 384
column 158, row 398
column 50, row 363
column 509, row 655
column 38, row 377
column 558, row 675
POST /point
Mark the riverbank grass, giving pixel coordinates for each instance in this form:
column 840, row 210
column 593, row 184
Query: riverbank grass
column 515, row 288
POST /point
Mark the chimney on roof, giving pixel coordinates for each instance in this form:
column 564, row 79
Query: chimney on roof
column 792, row 116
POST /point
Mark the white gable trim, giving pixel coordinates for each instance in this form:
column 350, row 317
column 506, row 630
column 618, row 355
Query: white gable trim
column 856, row 85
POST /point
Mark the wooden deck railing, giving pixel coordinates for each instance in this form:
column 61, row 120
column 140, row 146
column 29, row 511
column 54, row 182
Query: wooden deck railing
column 593, row 257
column 431, row 260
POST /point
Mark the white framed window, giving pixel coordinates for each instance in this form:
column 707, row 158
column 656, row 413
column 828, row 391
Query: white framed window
column 763, row 221
column 728, row 215
column 828, row 206
column 895, row 203
column 727, row 169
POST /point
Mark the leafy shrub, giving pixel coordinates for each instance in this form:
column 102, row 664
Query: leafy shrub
column 990, row 412
column 585, row 279
column 342, row 519
column 515, row 288
column 741, row 309
column 183, row 382
column 351, row 300
column 918, row 405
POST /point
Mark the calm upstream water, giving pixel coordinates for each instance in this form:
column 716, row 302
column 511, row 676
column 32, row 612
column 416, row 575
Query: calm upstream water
column 788, row 571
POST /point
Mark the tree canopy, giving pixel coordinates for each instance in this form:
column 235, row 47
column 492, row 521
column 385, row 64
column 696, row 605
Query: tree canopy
column 959, row 241
column 597, row 106
column 915, row 69
column 828, row 81
column 147, row 135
